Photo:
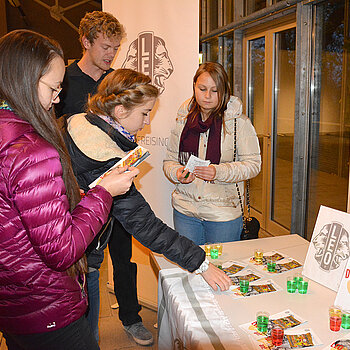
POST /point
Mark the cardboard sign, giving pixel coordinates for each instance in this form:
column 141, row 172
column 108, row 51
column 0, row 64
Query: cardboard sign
column 343, row 296
column 329, row 250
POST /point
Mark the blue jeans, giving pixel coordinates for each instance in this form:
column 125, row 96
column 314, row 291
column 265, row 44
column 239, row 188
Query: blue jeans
column 202, row 231
column 93, row 286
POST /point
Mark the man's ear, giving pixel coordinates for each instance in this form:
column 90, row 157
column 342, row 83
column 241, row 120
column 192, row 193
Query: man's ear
column 86, row 42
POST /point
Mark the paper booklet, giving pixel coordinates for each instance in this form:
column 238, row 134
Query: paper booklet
column 133, row 158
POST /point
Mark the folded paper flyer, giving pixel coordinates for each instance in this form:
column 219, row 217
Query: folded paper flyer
column 195, row 161
column 133, row 158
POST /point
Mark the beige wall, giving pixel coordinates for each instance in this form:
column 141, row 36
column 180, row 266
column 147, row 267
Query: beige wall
column 180, row 51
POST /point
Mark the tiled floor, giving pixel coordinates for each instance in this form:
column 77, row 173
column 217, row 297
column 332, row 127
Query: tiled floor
column 112, row 334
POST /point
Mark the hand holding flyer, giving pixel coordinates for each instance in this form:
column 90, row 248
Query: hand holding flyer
column 133, row 158
column 194, row 161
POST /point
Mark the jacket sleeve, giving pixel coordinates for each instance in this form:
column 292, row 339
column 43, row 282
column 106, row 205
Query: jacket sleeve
column 171, row 163
column 58, row 236
column 248, row 161
column 137, row 218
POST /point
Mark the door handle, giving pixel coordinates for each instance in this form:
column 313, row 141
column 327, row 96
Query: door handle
column 265, row 135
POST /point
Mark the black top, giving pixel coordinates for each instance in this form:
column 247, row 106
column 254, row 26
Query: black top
column 130, row 211
column 76, row 87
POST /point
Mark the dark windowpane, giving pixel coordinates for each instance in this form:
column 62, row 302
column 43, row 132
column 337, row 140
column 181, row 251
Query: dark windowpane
column 330, row 124
column 213, row 14
column 253, row 6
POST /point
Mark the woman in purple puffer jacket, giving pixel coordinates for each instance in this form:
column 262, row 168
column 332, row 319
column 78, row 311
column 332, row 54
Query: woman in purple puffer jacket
column 45, row 227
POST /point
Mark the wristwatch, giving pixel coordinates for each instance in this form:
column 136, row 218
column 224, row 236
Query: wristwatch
column 204, row 266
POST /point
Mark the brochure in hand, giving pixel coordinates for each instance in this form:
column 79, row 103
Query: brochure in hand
column 133, row 158
column 195, row 161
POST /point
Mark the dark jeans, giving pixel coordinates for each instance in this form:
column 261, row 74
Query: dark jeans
column 93, row 286
column 124, row 275
column 75, row 336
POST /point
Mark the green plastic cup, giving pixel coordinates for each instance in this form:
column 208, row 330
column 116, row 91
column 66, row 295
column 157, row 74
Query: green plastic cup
column 271, row 264
column 303, row 286
column 345, row 320
column 298, row 277
column 244, row 284
column 262, row 321
column 214, row 253
column 291, row 285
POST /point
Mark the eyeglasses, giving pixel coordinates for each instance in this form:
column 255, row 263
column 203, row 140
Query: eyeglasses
column 55, row 92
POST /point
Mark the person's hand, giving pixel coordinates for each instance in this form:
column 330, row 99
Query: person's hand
column 206, row 173
column 184, row 176
column 216, row 277
column 118, row 181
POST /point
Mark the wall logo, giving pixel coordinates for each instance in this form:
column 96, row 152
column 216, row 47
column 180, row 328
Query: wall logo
column 148, row 54
column 332, row 246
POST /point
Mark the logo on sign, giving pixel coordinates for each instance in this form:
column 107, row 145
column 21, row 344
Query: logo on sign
column 149, row 55
column 332, row 246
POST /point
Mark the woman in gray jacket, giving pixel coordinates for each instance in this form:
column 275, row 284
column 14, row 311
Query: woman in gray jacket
column 211, row 126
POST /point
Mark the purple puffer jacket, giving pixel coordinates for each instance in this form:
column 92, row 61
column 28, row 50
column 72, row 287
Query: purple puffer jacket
column 39, row 237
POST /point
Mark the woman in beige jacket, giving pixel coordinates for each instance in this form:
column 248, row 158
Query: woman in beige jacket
column 206, row 202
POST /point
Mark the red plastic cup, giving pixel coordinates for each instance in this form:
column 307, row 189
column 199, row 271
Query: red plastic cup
column 335, row 315
column 334, row 323
column 277, row 334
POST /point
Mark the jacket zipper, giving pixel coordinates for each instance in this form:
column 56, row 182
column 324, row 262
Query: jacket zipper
column 100, row 235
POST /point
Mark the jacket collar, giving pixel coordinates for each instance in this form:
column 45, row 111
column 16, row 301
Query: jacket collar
column 125, row 144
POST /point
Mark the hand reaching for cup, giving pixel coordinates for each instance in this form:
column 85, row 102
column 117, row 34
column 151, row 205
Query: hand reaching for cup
column 216, row 277
column 118, row 181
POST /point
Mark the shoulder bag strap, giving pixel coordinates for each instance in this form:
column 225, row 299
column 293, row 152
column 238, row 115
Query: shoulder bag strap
column 247, row 181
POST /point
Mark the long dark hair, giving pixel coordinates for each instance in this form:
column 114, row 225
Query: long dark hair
column 218, row 74
column 25, row 56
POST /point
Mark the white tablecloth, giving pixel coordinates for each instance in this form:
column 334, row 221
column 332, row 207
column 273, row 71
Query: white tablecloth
column 189, row 316
column 179, row 320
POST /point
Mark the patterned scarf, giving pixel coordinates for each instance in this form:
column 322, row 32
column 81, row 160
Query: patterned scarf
column 118, row 127
column 4, row 105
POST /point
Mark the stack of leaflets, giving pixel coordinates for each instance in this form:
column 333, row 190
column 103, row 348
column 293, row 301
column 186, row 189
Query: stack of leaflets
column 283, row 262
column 233, row 270
column 294, row 336
column 236, row 270
column 133, row 158
column 255, row 288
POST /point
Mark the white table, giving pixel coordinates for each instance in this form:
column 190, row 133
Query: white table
column 313, row 306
